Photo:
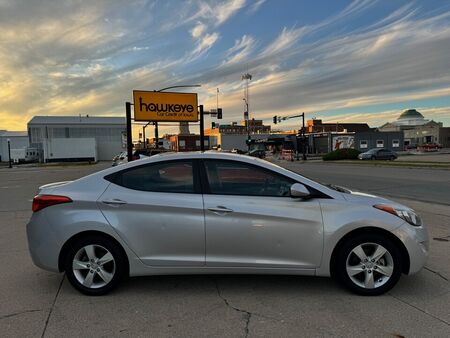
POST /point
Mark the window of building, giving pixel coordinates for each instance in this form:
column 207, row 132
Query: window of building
column 197, row 143
column 395, row 143
column 171, row 176
column 238, row 178
column 380, row 143
column 182, row 144
column 363, row 144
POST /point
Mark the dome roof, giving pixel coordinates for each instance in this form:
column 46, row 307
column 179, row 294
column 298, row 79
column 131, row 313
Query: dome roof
column 410, row 114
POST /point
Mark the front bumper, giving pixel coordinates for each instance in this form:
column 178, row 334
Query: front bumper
column 417, row 244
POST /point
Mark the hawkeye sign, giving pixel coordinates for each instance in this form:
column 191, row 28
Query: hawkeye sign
column 165, row 106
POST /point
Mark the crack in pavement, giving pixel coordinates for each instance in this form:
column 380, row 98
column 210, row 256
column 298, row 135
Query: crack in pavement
column 248, row 314
column 53, row 305
column 419, row 309
column 19, row 313
column 436, row 273
column 442, row 238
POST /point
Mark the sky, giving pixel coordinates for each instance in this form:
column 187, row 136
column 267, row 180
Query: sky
column 340, row 61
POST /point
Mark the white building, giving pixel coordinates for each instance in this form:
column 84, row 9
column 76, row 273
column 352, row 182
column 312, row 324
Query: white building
column 17, row 139
column 106, row 134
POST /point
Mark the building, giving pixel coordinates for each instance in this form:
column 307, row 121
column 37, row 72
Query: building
column 188, row 142
column 392, row 140
column 317, row 126
column 17, row 140
column 234, row 135
column 107, row 134
column 417, row 130
column 255, row 127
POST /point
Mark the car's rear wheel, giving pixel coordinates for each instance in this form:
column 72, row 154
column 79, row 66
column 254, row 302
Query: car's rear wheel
column 369, row 264
column 95, row 265
column 373, row 157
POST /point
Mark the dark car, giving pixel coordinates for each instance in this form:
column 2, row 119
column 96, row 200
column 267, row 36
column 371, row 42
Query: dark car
column 257, row 153
column 378, row 154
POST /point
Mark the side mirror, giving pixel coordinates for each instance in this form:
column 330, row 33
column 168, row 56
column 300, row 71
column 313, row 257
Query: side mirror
column 299, row 190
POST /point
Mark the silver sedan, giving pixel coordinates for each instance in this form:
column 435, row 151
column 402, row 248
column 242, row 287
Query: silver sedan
column 206, row 213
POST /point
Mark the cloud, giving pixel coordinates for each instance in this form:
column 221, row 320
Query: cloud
column 198, row 30
column 61, row 57
column 205, row 43
column 219, row 12
column 256, row 5
column 240, row 50
column 286, row 39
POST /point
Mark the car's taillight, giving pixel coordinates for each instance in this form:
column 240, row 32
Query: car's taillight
column 43, row 201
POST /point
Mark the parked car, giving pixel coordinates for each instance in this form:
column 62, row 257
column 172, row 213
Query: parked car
column 123, row 157
column 378, row 154
column 430, row 147
column 119, row 158
column 260, row 153
column 211, row 212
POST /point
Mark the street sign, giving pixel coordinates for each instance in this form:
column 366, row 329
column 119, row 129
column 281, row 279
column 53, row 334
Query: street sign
column 165, row 106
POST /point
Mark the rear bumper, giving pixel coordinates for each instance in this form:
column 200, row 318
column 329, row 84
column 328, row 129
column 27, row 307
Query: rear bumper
column 417, row 244
column 43, row 245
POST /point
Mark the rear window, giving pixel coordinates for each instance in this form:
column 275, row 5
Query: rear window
column 171, row 176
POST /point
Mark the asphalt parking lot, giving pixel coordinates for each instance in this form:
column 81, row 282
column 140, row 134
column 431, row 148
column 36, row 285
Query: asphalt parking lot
column 36, row 303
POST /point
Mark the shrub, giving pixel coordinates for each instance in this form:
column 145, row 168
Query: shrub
column 342, row 154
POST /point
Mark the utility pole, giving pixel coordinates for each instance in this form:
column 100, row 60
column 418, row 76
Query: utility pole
column 129, row 136
column 9, row 152
column 247, row 77
column 202, row 129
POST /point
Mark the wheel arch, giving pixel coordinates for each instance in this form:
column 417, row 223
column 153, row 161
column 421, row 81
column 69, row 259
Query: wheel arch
column 65, row 248
column 371, row 230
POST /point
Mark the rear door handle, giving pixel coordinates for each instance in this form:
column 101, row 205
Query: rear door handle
column 114, row 201
column 220, row 210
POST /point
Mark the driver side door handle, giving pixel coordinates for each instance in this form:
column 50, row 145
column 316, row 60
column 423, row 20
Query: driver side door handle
column 220, row 210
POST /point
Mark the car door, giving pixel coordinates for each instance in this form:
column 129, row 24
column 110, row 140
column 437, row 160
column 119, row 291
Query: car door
column 383, row 154
column 157, row 209
column 252, row 221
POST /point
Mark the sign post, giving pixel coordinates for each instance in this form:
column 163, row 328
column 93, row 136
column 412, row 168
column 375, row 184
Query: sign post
column 129, row 136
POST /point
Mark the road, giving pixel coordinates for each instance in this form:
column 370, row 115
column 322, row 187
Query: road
column 36, row 303
column 427, row 185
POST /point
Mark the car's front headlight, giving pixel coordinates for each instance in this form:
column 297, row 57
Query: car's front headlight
column 407, row 214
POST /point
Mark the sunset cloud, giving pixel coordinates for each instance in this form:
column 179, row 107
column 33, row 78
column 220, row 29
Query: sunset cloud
column 366, row 61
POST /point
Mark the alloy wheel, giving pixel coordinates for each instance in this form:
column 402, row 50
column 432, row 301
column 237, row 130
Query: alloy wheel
column 369, row 265
column 93, row 266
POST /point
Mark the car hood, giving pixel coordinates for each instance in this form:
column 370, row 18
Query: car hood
column 369, row 199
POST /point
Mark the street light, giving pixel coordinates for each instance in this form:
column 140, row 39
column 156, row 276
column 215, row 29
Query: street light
column 9, row 152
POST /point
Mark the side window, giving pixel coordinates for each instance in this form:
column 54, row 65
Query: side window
column 239, row 178
column 171, row 176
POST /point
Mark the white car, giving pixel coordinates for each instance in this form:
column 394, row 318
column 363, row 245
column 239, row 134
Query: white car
column 206, row 213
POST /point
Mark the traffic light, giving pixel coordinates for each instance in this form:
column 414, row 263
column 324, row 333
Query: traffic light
column 219, row 113
column 213, row 125
column 275, row 121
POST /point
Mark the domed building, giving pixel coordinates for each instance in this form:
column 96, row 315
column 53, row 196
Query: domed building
column 410, row 117
column 417, row 130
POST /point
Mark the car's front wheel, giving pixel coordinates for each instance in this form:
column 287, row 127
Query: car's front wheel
column 95, row 265
column 369, row 264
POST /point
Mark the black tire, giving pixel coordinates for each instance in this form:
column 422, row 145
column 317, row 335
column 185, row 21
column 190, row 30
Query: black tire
column 117, row 268
column 345, row 255
column 373, row 158
column 391, row 158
